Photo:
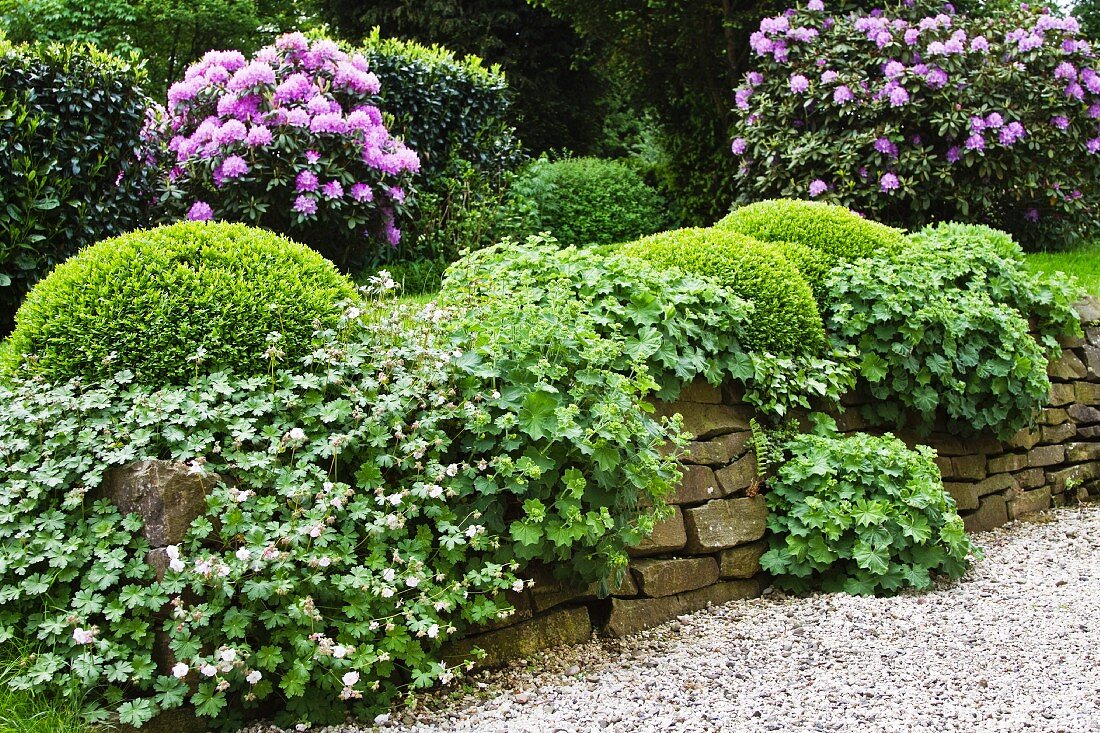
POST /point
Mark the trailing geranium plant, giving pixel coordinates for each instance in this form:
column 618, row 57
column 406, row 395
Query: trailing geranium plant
column 917, row 114
column 291, row 140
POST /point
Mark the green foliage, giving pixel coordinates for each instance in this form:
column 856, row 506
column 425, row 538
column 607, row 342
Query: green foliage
column 23, row 712
column 415, row 277
column 861, row 514
column 173, row 301
column 583, row 201
column 937, row 339
column 1081, row 262
column 785, row 317
column 70, row 127
column 365, row 503
column 813, row 264
column 841, row 234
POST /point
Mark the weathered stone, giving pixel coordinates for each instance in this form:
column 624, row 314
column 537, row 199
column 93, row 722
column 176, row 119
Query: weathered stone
column 1053, row 416
column 1026, row 439
column 1046, row 455
column 1087, row 393
column 698, row 484
column 1093, row 431
column 176, row 720
column 167, row 495
column 742, row 561
column 1092, row 360
column 1088, row 308
column 725, row 523
column 548, row 592
column 705, row 421
column 945, row 445
column 563, row 626
column 1062, row 394
column 718, row 451
column 1008, row 462
column 1029, row 502
column 995, row 484
column 631, row 616
column 965, row 495
column 968, row 467
column 1058, row 433
column 700, row 390
column 944, row 464
column 659, row 578
column 992, row 513
column 667, row 536
column 1080, row 452
column 1072, row 476
column 1083, row 414
column 1067, row 367
column 738, row 476
column 1032, row 478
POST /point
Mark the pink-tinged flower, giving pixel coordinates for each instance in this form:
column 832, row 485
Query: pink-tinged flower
column 893, row 69
column 1065, row 71
column 253, row 74
column 306, row 181
column 739, row 146
column 292, row 42
column 297, row 117
column 312, row 157
column 1093, row 146
column 328, row 50
column 979, row 43
column 818, row 187
column 886, row 147
column 184, row 91
column 231, row 132
column 208, row 670
column 349, row 76
column 200, row 211
column 332, row 190
column 1091, row 80
column 1094, row 111
column 1060, row 121
column 254, row 676
column 898, row 97
column 180, row 670
column 258, row 136
column 295, row 88
column 954, row 154
column 330, row 122
column 361, row 192
column 799, row 83
column 975, row 142
column 888, row 182
column 1032, row 215
column 842, row 94
column 83, row 636
column 828, row 76
column 305, row 205
column 234, row 166
column 935, row 48
column 350, row 679
column 321, row 105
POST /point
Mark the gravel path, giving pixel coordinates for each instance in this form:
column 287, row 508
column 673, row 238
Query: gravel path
column 1013, row 647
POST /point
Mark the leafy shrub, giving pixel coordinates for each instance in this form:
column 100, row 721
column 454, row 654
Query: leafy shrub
column 785, row 317
column 918, row 114
column 378, row 497
column 982, row 258
column 291, row 140
column 173, row 301
column 934, row 343
column 862, row 514
column 680, row 325
column 70, row 138
column 454, row 113
column 583, row 201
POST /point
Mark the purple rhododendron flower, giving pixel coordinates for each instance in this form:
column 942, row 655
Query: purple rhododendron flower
column 397, row 194
column 297, row 117
column 799, row 83
column 1011, row 133
column 305, row 205
column 312, row 156
column 994, row 121
column 258, row 136
column 739, row 146
column 893, row 69
column 330, row 122
column 295, row 88
column 886, row 147
column 1032, row 215
column 1060, row 121
column 936, row 78
column 306, row 181
column 361, row 192
column 231, row 132
column 1074, row 91
column 234, row 167
column 1093, row 145
column 888, row 182
column 332, row 190
column 898, row 97
column 292, row 42
column 828, row 76
column 754, row 78
column 979, row 43
column 975, row 142
column 818, row 187
column 815, row 5
column 253, row 74
column 842, row 94
column 741, row 98
column 200, row 211
column 1065, row 71
column 954, row 153
column 911, row 37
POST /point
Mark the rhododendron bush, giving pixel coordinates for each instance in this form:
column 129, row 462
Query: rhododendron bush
column 916, row 114
column 291, row 140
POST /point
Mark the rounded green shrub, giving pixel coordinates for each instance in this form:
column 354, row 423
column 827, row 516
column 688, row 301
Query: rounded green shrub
column 169, row 302
column 785, row 319
column 583, row 201
column 839, row 232
column 813, row 264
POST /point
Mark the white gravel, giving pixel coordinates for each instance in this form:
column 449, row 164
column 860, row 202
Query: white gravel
column 1014, row 646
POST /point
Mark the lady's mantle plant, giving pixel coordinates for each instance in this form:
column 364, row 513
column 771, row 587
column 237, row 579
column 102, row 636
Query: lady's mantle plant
column 364, row 504
column 291, row 140
column 919, row 114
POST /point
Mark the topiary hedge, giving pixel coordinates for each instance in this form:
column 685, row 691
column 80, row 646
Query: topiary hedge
column 785, row 318
column 583, row 201
column 171, row 302
column 70, row 148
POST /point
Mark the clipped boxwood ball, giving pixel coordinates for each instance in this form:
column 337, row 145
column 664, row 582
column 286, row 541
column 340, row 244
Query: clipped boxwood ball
column 785, row 319
column 841, row 233
column 172, row 301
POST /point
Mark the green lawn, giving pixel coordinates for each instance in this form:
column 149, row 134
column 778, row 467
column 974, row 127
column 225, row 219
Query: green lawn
column 1082, row 261
column 22, row 712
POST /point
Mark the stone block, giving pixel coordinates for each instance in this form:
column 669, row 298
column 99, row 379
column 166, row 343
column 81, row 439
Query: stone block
column 631, row 616
column 563, row 626
column 1046, row 455
column 1054, row 434
column 176, row 720
column 1068, row 367
column 1074, row 475
column 1008, row 463
column 698, row 484
column 965, row 495
column 659, row 578
column 995, row 484
column 944, row 464
column 1081, row 452
column 1032, row 478
column 972, row 468
column 1062, row 394
column 992, row 513
column 1092, row 431
column 1088, row 308
column 1083, row 414
column 167, row 495
column 548, row 592
column 725, row 523
column 1092, row 360
column 705, row 421
column 742, row 561
column 1087, row 393
column 1026, row 439
column 718, row 451
column 700, row 390
column 1029, row 502
column 1053, row 416
column 667, row 536
column 738, row 476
